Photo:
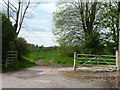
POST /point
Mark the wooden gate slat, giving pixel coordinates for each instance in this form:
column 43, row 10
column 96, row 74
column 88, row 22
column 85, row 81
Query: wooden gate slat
column 12, row 57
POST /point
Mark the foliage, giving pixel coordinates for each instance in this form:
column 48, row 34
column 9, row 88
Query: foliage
column 8, row 37
column 10, row 42
column 76, row 26
column 93, row 43
column 109, row 22
column 91, row 26
column 18, row 65
column 22, row 47
column 48, row 56
column 64, row 50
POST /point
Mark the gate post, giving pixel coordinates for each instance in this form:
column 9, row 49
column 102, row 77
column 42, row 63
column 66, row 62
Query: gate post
column 117, row 65
column 118, row 68
column 75, row 58
column 118, row 60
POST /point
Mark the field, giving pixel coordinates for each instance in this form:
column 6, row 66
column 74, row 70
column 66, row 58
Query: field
column 53, row 58
column 48, row 57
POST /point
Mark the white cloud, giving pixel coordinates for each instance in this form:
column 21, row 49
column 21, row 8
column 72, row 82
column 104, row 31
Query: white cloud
column 48, row 7
column 39, row 28
column 38, row 38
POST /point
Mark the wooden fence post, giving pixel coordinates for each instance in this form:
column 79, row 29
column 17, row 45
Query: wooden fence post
column 118, row 68
column 75, row 58
column 116, row 58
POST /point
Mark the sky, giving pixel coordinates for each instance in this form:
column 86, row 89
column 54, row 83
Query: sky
column 38, row 25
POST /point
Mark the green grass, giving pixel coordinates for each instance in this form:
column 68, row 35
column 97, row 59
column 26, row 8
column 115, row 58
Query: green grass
column 18, row 65
column 47, row 56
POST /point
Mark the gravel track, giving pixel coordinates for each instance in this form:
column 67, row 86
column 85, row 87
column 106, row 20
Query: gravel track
column 47, row 77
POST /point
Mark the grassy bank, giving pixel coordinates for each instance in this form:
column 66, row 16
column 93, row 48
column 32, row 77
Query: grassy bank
column 47, row 58
column 18, row 65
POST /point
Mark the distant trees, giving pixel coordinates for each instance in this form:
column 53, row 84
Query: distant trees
column 89, row 26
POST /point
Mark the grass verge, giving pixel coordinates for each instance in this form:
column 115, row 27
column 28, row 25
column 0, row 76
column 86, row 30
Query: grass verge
column 18, row 65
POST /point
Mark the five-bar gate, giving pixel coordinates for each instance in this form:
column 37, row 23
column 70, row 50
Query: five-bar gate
column 89, row 59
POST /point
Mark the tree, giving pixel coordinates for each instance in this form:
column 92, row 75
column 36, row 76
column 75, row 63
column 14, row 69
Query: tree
column 76, row 24
column 17, row 12
column 109, row 22
column 8, row 37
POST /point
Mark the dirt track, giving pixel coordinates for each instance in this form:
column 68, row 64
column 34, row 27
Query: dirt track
column 47, row 77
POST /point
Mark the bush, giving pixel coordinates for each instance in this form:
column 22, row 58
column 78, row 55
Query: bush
column 8, row 37
column 92, row 43
column 22, row 47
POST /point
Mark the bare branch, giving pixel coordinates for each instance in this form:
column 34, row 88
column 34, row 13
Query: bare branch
column 17, row 16
column 3, row 5
column 8, row 10
column 5, row 2
column 13, row 6
column 12, row 17
column 75, row 4
column 21, row 22
column 9, row 7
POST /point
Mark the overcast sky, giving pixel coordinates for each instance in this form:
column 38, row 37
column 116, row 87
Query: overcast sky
column 38, row 24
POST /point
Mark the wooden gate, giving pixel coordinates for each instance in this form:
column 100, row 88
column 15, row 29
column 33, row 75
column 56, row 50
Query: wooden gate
column 89, row 59
column 12, row 57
